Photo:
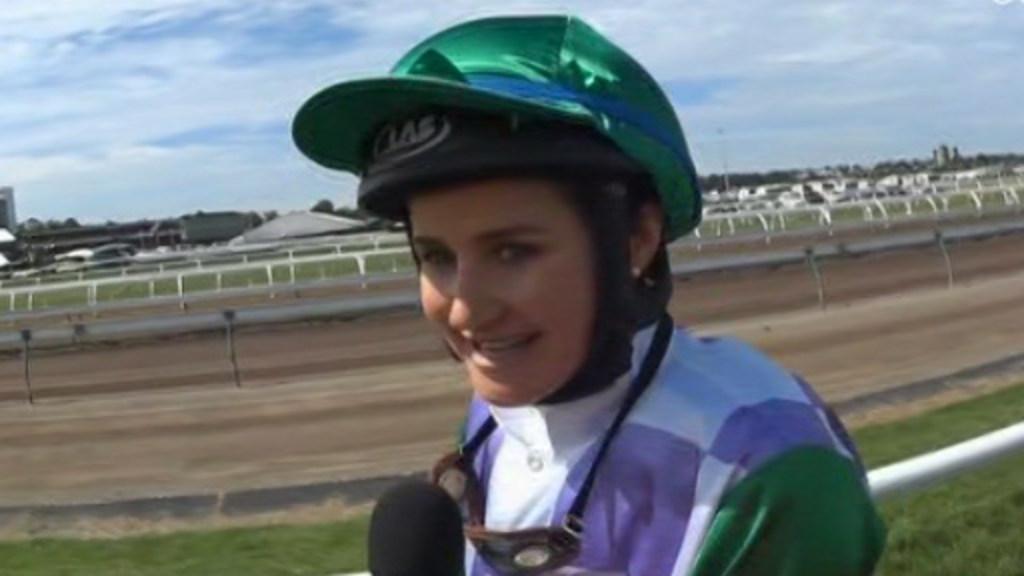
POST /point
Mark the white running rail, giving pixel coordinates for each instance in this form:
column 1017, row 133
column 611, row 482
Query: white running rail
column 925, row 470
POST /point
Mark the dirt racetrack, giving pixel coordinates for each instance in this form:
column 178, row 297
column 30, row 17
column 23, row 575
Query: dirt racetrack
column 377, row 395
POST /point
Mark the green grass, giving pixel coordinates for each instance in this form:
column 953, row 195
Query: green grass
column 849, row 214
column 322, row 270
column 136, row 289
column 122, row 291
column 274, row 551
column 993, row 200
column 969, row 526
column 281, row 273
column 20, row 302
column 962, row 203
column 923, row 207
column 388, row 263
column 244, row 278
column 165, row 287
column 199, row 282
column 801, row 220
column 60, row 298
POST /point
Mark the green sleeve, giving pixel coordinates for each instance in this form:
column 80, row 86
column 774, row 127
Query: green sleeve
column 804, row 513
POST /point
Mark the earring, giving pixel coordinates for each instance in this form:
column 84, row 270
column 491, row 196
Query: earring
column 636, row 272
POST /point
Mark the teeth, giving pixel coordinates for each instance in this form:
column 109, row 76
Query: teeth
column 499, row 345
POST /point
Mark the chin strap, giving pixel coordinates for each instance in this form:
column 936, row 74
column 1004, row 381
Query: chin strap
column 604, row 209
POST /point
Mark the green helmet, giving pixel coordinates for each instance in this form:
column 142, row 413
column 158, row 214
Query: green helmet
column 553, row 68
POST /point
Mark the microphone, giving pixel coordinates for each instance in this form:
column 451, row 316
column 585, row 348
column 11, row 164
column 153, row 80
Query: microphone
column 416, row 530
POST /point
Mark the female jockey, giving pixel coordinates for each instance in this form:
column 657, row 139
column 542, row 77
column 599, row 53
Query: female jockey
column 540, row 172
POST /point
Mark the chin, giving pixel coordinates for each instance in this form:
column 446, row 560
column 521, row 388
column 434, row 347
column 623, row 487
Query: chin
column 505, row 395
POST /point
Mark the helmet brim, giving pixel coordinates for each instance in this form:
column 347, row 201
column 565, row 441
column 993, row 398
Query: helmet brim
column 334, row 126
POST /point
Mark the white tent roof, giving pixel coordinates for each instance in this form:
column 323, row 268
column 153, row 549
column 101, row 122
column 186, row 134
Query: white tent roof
column 298, row 225
column 6, row 236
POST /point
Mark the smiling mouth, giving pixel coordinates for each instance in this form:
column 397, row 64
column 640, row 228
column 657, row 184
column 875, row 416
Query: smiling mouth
column 496, row 348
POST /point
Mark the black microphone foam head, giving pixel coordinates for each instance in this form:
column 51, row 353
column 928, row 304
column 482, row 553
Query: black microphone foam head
column 416, row 530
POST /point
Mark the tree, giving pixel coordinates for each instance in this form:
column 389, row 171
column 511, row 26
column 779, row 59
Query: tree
column 352, row 212
column 324, row 206
column 31, row 225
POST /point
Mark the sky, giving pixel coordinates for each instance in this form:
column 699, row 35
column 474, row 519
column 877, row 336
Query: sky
column 121, row 109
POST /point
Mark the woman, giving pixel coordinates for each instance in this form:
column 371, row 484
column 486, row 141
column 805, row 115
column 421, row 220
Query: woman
column 540, row 172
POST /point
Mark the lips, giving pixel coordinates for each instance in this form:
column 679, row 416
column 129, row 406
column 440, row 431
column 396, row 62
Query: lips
column 492, row 351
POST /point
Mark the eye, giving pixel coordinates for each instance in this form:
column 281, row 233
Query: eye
column 436, row 257
column 514, row 253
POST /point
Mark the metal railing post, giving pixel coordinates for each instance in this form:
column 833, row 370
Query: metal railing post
column 26, row 348
column 181, row 292
column 361, row 264
column 229, row 333
column 941, row 240
column 819, row 281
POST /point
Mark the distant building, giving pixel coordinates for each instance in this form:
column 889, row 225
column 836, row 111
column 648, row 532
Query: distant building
column 297, row 225
column 141, row 234
column 215, row 227
column 8, row 216
column 943, row 156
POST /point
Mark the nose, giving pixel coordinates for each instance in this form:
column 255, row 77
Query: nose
column 475, row 301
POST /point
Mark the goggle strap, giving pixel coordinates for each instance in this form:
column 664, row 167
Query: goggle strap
column 651, row 363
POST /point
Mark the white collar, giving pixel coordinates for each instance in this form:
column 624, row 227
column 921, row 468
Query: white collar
column 558, row 427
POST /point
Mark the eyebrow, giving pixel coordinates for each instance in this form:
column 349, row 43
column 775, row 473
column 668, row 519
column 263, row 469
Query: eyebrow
column 490, row 235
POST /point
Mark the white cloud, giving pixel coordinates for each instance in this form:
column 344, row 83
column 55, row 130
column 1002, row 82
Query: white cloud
column 799, row 83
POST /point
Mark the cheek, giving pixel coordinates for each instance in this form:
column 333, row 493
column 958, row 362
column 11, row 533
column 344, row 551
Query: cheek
column 560, row 298
column 435, row 304
column 567, row 306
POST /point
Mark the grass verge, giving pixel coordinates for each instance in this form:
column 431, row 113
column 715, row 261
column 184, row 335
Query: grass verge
column 970, row 525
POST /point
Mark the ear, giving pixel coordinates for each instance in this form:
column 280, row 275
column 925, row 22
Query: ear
column 645, row 237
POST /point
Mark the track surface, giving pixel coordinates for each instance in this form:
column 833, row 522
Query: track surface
column 377, row 395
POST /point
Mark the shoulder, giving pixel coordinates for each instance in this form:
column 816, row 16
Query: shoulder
column 739, row 406
column 779, row 520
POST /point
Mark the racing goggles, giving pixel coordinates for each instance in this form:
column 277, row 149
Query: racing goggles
column 530, row 551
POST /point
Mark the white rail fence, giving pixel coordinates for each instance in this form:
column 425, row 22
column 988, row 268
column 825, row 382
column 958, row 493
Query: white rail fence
column 230, row 267
column 360, row 304
column 936, row 467
column 258, row 275
column 980, row 200
column 215, row 257
column 922, row 471
column 213, row 280
column 272, row 279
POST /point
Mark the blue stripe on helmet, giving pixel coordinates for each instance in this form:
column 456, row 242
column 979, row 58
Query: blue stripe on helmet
column 520, row 88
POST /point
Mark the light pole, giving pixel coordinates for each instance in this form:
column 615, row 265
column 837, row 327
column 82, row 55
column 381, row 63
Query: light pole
column 725, row 158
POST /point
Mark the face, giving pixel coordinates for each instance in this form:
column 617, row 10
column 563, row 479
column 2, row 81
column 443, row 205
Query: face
column 507, row 275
